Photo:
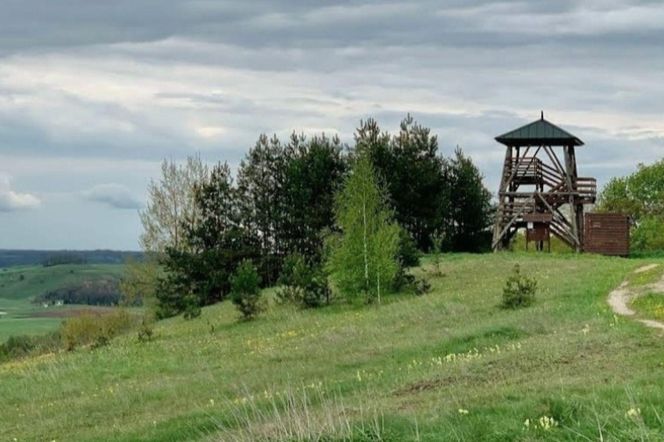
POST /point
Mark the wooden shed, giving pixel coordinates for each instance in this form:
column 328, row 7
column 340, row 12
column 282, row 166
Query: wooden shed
column 606, row 234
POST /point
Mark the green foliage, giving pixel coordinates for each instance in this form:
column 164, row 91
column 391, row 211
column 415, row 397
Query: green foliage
column 286, row 196
column 303, row 283
column 409, row 255
column 217, row 243
column 413, row 173
column 466, row 226
column 19, row 346
column 94, row 329
column 519, row 290
column 363, row 261
column 146, row 328
column 641, row 196
column 245, row 290
column 429, row 193
column 648, row 235
column 315, row 170
column 260, row 180
column 140, row 280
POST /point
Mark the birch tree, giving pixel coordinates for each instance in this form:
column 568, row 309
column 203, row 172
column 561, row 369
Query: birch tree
column 171, row 207
column 363, row 261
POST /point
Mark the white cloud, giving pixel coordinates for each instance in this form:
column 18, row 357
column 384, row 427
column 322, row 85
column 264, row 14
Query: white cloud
column 114, row 195
column 11, row 200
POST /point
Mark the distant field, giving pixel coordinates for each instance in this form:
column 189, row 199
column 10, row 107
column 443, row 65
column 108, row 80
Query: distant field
column 20, row 284
column 448, row 365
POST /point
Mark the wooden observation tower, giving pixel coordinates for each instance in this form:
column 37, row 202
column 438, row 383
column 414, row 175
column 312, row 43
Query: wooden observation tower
column 538, row 191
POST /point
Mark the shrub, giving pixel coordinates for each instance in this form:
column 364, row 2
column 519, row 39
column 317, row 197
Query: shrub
column 405, row 282
column 519, row 290
column 302, row 283
column 421, row 286
column 145, row 330
column 245, row 290
column 20, row 346
column 648, row 235
column 94, row 329
column 17, row 346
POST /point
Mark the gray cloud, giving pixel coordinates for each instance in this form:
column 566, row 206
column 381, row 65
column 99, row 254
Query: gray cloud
column 133, row 81
column 113, row 195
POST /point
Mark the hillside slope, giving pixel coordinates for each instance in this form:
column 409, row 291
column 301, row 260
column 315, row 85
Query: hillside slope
column 20, row 284
column 449, row 365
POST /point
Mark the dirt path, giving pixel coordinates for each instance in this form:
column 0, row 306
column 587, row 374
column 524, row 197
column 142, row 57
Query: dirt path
column 619, row 299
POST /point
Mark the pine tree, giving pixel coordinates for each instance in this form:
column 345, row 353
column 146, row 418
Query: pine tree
column 218, row 242
column 469, row 218
column 314, row 173
column 261, row 203
column 413, row 172
column 363, row 260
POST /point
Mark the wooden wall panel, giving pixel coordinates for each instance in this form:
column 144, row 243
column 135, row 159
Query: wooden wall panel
column 606, row 234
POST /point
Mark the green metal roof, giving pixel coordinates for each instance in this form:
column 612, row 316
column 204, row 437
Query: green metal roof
column 539, row 133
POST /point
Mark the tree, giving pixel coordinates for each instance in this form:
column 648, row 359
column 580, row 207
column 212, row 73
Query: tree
column 363, row 260
column 140, row 280
column 261, row 179
column 641, row 196
column 217, row 242
column 170, row 211
column 245, row 290
column 314, row 172
column 466, row 226
column 171, row 208
column 413, row 171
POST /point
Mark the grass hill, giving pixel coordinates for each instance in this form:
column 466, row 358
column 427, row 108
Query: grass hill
column 19, row 285
column 448, row 365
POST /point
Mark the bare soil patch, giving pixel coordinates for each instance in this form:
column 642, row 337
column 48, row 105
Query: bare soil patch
column 620, row 298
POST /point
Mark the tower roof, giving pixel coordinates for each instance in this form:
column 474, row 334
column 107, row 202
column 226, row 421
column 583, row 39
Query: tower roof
column 539, row 133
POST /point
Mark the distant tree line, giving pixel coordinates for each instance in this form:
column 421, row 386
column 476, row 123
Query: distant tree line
column 93, row 292
column 10, row 258
column 64, row 258
column 201, row 223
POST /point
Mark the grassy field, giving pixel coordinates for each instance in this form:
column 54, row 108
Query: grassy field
column 20, row 284
column 448, row 365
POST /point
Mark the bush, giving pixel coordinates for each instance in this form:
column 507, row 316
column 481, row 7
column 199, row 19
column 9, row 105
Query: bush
column 145, row 330
column 648, row 235
column 302, row 283
column 17, row 346
column 94, row 329
column 245, row 290
column 519, row 290
column 20, row 346
column 405, row 282
column 421, row 286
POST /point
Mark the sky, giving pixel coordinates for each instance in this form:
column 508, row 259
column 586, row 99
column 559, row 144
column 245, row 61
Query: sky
column 94, row 94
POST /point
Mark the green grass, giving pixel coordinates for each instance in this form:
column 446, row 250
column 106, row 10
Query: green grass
column 649, row 276
column 399, row 371
column 650, row 305
column 20, row 284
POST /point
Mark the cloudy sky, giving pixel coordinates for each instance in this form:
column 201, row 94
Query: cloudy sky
column 93, row 94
